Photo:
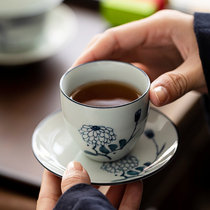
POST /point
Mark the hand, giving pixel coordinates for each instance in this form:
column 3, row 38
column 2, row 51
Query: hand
column 120, row 196
column 163, row 45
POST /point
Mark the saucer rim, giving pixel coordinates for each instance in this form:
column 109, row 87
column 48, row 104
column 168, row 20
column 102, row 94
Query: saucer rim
column 141, row 177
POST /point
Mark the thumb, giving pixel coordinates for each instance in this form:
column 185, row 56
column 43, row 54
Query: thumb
column 172, row 85
column 167, row 88
column 74, row 174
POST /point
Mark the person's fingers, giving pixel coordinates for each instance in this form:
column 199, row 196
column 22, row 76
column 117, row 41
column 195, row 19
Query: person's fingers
column 125, row 42
column 74, row 174
column 120, row 40
column 50, row 191
column 141, row 66
column 158, row 44
column 93, row 40
column 115, row 194
column 112, row 43
column 172, row 85
column 188, row 76
column 132, row 197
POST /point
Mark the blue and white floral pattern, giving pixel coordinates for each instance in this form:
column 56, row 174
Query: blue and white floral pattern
column 97, row 135
column 151, row 135
column 122, row 165
column 101, row 138
column 129, row 167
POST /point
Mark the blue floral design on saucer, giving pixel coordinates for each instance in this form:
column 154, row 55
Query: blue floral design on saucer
column 129, row 166
column 101, row 138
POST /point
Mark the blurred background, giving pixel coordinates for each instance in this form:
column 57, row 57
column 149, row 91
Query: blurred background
column 39, row 41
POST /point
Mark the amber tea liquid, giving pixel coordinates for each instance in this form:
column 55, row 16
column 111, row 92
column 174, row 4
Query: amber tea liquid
column 105, row 93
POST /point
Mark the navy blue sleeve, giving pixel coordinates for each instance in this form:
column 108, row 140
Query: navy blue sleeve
column 202, row 32
column 83, row 196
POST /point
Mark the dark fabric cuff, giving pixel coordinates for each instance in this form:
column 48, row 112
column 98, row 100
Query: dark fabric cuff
column 202, row 32
column 206, row 109
column 83, row 196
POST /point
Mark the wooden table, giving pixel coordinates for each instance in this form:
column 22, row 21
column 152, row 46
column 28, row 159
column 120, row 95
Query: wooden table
column 29, row 93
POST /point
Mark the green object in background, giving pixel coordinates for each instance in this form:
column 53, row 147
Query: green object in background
column 118, row 12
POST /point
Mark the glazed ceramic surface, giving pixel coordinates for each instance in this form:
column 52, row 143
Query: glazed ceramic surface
column 22, row 23
column 105, row 133
column 22, row 8
column 54, row 149
column 60, row 27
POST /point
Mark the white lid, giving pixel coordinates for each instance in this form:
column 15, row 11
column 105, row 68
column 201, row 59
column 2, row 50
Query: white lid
column 22, row 8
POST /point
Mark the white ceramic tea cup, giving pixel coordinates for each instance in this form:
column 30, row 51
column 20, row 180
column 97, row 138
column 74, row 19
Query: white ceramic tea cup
column 105, row 134
column 22, row 23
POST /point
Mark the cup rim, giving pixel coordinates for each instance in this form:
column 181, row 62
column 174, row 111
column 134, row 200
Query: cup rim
column 104, row 107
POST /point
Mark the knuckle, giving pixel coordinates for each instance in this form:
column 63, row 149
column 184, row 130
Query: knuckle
column 167, row 13
column 109, row 31
column 169, row 18
column 112, row 33
column 71, row 180
column 178, row 82
column 44, row 199
column 111, row 36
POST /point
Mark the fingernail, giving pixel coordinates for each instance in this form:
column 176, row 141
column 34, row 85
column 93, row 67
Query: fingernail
column 75, row 166
column 161, row 94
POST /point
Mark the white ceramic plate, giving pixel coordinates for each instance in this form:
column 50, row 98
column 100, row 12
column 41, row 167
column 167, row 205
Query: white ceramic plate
column 54, row 149
column 60, row 29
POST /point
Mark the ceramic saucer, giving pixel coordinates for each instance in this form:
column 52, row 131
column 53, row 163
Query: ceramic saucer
column 60, row 28
column 54, row 149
